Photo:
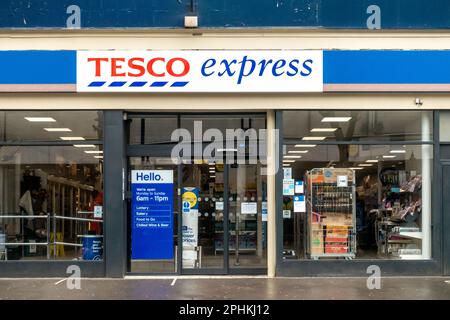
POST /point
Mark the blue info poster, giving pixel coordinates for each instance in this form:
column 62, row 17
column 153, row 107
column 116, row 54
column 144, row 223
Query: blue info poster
column 152, row 214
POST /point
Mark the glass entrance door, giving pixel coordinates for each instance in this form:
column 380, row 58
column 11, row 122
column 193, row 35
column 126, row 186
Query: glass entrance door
column 203, row 216
column 247, row 217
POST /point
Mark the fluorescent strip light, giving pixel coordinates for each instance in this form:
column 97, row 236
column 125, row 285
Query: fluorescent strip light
column 71, row 138
column 298, row 151
column 323, row 129
column 98, row 157
column 212, row 176
column 365, row 165
column 93, row 151
column 336, row 119
column 372, row 161
column 313, row 138
column 286, row 165
column 389, row 157
column 292, row 157
column 288, row 161
column 305, row 145
column 357, row 168
column 398, row 151
column 84, row 146
column 227, row 150
column 40, row 119
column 57, row 129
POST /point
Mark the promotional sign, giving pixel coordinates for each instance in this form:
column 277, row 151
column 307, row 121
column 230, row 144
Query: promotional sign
column 264, row 210
column 299, row 204
column 342, row 181
column 288, row 187
column 249, row 208
column 299, row 186
column 190, row 225
column 287, row 173
column 152, row 214
column 286, row 214
column 200, row 71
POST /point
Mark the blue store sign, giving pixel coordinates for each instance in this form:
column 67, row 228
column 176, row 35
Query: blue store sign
column 152, row 214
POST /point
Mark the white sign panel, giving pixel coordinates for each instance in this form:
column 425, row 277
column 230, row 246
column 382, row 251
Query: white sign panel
column 288, row 187
column 287, row 173
column 249, row 208
column 286, row 214
column 98, row 211
column 264, row 210
column 299, row 204
column 200, row 71
column 299, row 186
column 342, row 181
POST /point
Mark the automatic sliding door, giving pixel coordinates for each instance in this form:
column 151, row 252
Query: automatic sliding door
column 203, row 208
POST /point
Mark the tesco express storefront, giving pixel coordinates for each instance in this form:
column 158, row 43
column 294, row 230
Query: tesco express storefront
column 249, row 161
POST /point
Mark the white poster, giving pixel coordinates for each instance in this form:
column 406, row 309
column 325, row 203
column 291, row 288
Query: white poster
column 190, row 226
column 219, row 205
column 299, row 204
column 299, row 186
column 98, row 212
column 249, row 208
column 264, row 210
column 342, row 181
column 286, row 214
column 287, row 173
column 200, row 71
column 288, row 187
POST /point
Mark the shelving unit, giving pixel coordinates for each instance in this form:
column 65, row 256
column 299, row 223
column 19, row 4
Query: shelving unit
column 331, row 217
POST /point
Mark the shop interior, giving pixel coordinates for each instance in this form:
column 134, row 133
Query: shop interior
column 47, row 189
column 357, row 201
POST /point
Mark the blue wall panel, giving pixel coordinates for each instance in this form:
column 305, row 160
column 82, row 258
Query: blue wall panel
column 395, row 14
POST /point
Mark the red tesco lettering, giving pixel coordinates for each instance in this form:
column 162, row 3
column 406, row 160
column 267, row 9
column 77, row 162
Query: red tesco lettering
column 138, row 67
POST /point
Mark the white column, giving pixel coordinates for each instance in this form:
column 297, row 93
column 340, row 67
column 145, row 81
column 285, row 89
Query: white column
column 427, row 156
column 271, row 207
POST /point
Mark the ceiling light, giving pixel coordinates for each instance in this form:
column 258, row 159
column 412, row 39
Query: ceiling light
column 389, row 157
column 305, row 145
column 84, row 146
column 40, row 119
column 93, row 151
column 71, row 138
column 365, row 165
column 57, row 129
column 288, row 161
column 298, row 151
column 98, row 157
column 323, row 129
column 286, row 165
column 336, row 119
column 227, row 150
column 292, row 157
column 314, row 138
column 212, row 176
column 357, row 168
column 398, row 151
column 372, row 161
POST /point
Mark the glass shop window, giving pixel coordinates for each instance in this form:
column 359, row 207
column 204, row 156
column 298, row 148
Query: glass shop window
column 357, row 201
column 51, row 196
